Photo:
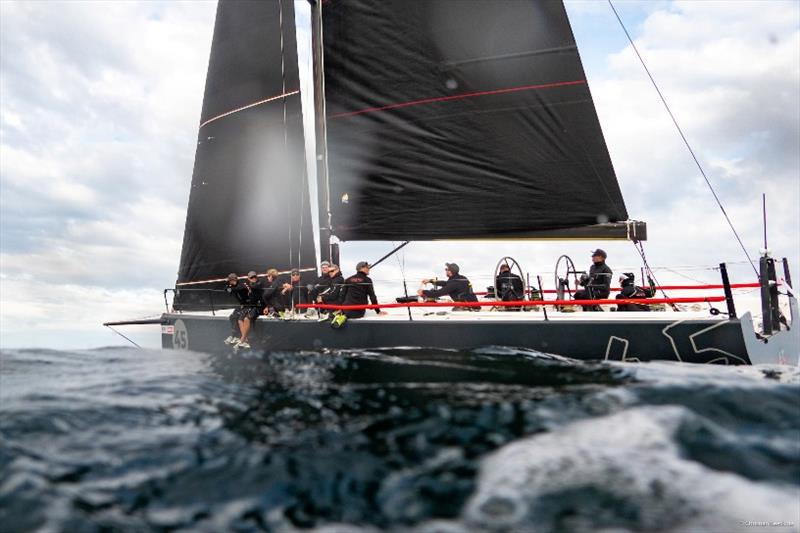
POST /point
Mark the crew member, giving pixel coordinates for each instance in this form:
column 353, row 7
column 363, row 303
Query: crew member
column 332, row 294
column 457, row 287
column 357, row 288
column 509, row 285
column 321, row 283
column 630, row 290
column 232, row 286
column 292, row 292
column 271, row 287
column 251, row 307
column 597, row 284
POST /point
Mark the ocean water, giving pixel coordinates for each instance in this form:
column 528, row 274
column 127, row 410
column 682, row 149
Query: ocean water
column 403, row 440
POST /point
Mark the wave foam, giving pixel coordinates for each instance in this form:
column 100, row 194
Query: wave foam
column 620, row 471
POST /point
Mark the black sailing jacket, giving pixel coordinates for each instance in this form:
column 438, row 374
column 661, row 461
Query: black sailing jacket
column 509, row 286
column 332, row 294
column 269, row 291
column 629, row 290
column 457, row 287
column 248, row 294
column 357, row 288
column 239, row 291
column 321, row 284
column 600, row 280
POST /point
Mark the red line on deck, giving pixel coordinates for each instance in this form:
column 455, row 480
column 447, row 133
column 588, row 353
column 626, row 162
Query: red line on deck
column 520, row 303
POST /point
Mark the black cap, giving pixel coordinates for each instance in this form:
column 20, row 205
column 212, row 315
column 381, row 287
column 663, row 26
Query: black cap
column 295, row 272
column 601, row 253
column 362, row 264
column 452, row 267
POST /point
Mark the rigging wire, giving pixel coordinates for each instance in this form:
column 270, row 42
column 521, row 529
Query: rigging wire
column 685, row 141
column 640, row 248
column 124, row 337
column 402, row 265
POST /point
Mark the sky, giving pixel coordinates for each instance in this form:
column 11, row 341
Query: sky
column 100, row 105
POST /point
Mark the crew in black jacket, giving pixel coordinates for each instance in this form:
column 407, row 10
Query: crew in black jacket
column 457, row 287
column 597, row 285
column 270, row 291
column 509, row 285
column 332, row 294
column 232, row 286
column 630, row 290
column 249, row 296
column 357, row 288
column 321, row 283
column 292, row 292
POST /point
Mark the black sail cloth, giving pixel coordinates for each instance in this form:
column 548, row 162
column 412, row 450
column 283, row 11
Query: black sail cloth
column 249, row 204
column 453, row 119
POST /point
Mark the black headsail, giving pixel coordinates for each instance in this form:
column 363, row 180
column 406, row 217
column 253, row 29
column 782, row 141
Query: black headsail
column 249, row 204
column 462, row 118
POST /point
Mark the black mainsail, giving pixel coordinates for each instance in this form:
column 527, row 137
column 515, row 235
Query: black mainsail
column 461, row 118
column 249, row 203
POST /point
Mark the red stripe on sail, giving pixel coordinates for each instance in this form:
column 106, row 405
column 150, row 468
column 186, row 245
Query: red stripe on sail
column 458, row 97
column 248, row 106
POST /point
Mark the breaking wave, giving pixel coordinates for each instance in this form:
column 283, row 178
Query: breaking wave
column 496, row 439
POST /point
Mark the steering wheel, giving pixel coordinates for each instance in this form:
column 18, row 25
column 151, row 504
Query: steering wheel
column 512, row 264
column 564, row 269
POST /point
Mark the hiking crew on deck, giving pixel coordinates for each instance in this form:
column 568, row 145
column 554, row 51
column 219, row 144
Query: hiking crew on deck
column 292, row 292
column 270, row 290
column 457, row 287
column 249, row 296
column 332, row 294
column 357, row 288
column 597, row 284
column 631, row 290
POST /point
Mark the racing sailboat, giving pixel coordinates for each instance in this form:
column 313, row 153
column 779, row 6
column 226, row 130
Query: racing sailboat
column 434, row 120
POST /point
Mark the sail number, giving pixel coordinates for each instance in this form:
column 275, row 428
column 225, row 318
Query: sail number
column 180, row 336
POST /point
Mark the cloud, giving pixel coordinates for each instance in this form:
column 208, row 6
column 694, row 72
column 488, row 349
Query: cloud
column 99, row 115
column 730, row 73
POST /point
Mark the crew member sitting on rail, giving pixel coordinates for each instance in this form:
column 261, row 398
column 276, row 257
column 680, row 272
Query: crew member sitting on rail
column 630, row 290
column 357, row 288
column 250, row 308
column 292, row 292
column 269, row 294
column 321, row 283
column 331, row 294
column 457, row 287
column 597, row 285
column 233, row 287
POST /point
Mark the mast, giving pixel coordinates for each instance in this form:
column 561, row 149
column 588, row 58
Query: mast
column 320, row 131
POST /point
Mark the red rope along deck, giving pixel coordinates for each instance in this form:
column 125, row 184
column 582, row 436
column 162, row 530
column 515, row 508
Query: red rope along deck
column 520, row 303
column 669, row 288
